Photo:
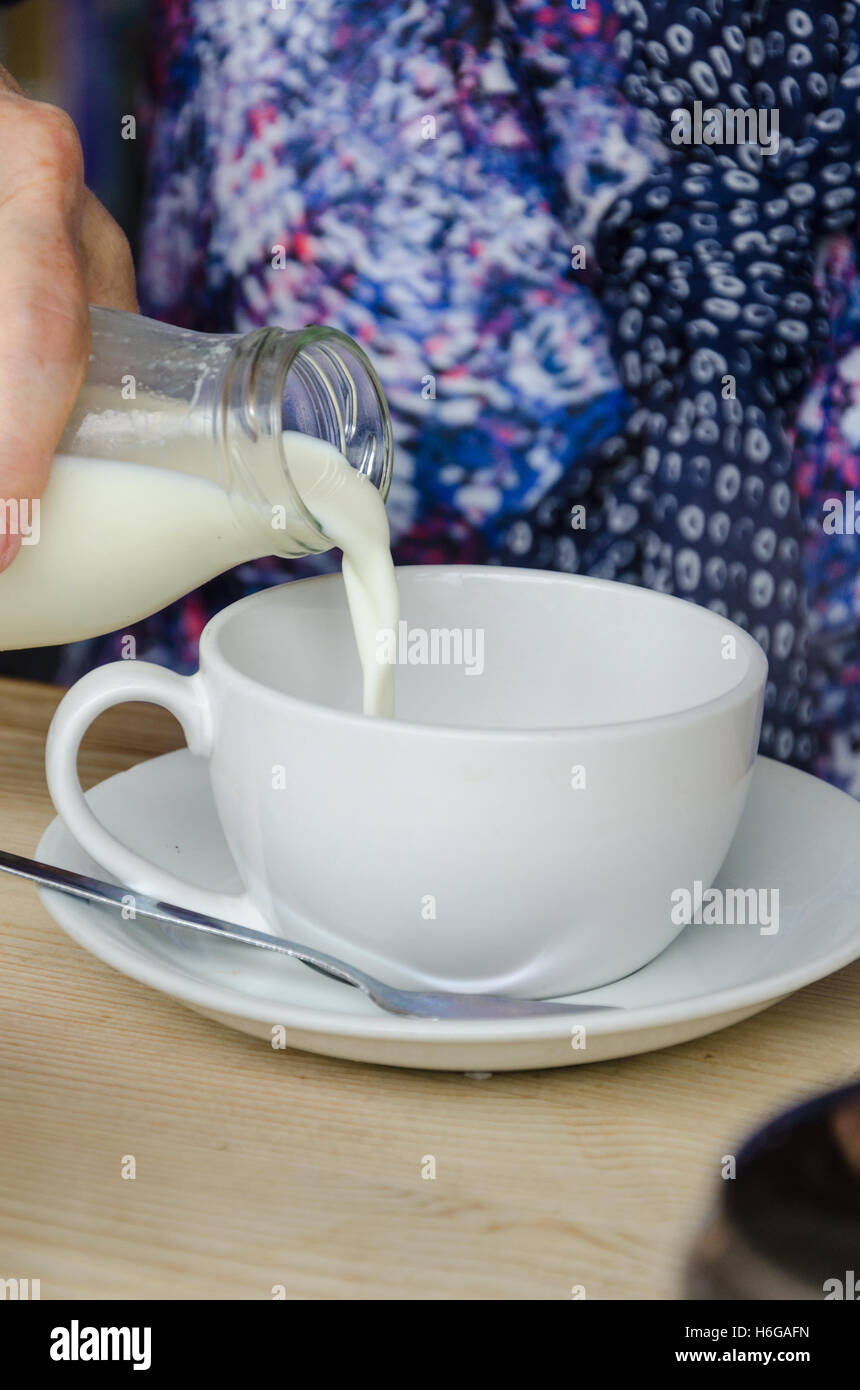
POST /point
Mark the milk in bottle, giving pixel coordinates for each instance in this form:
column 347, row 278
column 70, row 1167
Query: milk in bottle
column 186, row 455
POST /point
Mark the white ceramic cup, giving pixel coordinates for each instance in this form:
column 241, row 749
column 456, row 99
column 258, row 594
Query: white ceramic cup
column 518, row 828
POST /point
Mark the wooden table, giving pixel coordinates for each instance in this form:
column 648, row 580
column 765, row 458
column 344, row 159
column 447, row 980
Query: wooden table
column 257, row 1168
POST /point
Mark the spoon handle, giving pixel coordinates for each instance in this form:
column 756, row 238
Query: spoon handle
column 135, row 904
column 413, row 1003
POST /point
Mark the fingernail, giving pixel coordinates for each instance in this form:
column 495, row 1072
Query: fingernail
column 9, row 547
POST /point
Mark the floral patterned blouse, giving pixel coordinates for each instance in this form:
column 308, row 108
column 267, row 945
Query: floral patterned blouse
column 605, row 350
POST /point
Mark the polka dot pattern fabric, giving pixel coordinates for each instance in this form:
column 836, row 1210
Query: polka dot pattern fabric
column 707, row 273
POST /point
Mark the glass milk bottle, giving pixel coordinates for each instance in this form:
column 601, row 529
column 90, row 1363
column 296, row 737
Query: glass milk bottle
column 186, row 454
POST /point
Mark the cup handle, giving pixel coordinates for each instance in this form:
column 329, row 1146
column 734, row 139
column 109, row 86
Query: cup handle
column 186, row 698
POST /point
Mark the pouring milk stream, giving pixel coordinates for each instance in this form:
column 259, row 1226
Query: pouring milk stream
column 152, row 494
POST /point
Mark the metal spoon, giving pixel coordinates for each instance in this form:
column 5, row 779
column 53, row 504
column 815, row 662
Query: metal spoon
column 414, row 1003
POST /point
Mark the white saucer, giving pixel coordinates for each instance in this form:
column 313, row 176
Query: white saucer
column 797, row 835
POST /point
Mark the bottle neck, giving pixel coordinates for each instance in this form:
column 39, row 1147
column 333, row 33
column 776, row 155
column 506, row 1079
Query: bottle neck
column 220, row 407
column 315, row 382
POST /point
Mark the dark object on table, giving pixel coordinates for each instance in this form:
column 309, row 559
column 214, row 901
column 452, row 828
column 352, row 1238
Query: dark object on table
column 788, row 1224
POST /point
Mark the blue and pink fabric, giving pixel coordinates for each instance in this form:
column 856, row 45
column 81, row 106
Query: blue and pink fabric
column 487, row 196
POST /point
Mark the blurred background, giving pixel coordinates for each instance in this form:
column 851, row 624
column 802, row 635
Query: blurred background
column 88, row 57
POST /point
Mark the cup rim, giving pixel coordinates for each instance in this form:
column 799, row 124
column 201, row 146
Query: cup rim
column 753, row 679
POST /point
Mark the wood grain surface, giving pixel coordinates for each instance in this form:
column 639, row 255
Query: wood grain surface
column 259, row 1170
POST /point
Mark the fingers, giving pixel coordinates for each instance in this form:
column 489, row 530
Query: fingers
column 60, row 251
column 8, row 83
column 106, row 257
column 44, row 317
